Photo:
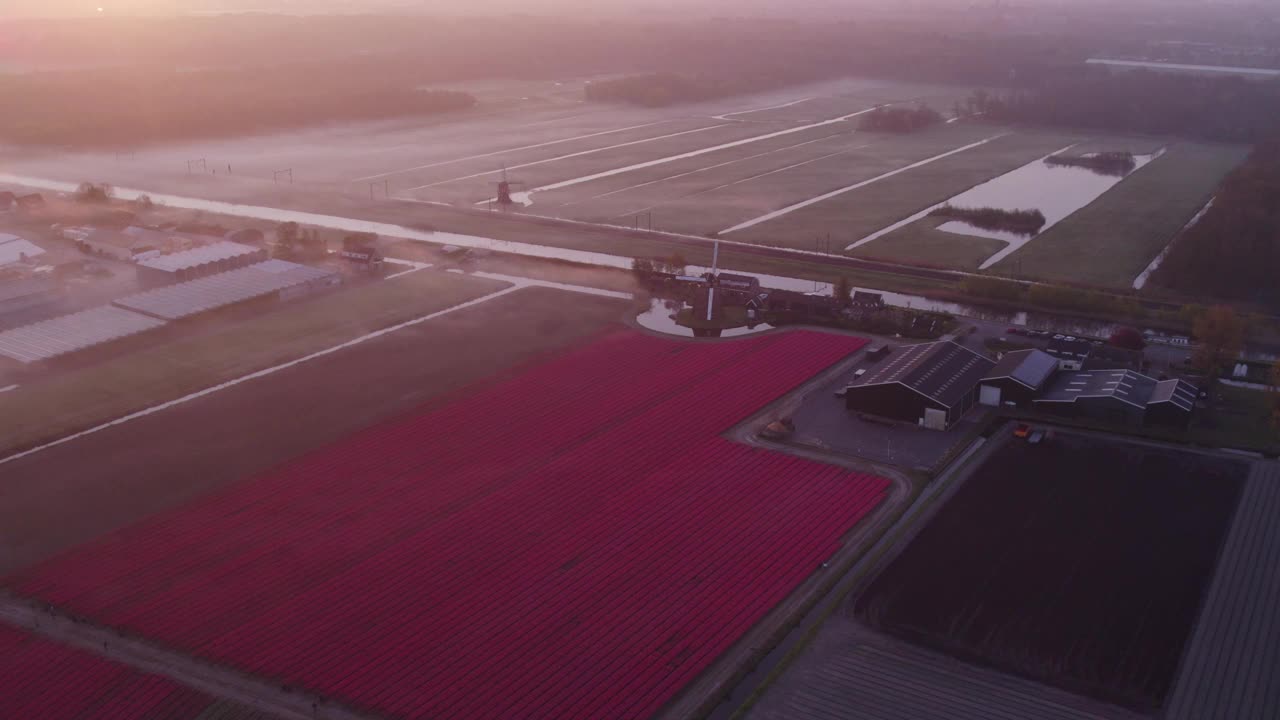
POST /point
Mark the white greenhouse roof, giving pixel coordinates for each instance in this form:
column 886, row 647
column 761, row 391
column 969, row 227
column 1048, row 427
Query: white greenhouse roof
column 215, row 291
column 69, row 333
column 195, row 257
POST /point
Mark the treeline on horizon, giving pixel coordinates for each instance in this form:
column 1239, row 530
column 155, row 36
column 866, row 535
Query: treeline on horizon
column 282, row 71
column 1229, row 109
column 1233, row 251
column 117, row 108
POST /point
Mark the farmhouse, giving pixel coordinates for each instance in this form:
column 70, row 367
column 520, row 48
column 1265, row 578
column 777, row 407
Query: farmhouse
column 1017, row 378
column 1120, row 396
column 931, row 384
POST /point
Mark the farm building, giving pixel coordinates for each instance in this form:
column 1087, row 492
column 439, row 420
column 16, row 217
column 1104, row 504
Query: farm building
column 115, row 244
column 71, row 333
column 802, row 304
column 20, row 299
column 16, row 251
column 197, row 262
column 1083, row 355
column 931, row 384
column 864, row 300
column 1017, row 378
column 265, row 281
column 1120, row 396
column 1070, row 354
column 1172, row 403
column 33, row 201
column 1110, row 357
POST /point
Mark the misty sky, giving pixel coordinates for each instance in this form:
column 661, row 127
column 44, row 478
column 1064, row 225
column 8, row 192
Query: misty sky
column 129, row 7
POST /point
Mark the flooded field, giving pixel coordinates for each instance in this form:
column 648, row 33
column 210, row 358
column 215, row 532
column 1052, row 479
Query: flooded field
column 1055, row 190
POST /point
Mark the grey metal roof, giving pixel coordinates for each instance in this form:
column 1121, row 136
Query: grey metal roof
column 1029, row 367
column 1124, row 385
column 215, row 291
column 13, row 248
column 198, row 256
column 69, row 333
column 1179, row 392
column 942, row 371
column 1070, row 348
column 14, row 289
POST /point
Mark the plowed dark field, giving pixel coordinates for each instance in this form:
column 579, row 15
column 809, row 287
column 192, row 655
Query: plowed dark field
column 1081, row 563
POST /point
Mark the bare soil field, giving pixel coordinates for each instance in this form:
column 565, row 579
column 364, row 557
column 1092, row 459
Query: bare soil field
column 1082, row 563
column 70, row 493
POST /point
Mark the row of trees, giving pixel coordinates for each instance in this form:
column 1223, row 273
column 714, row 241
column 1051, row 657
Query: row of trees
column 127, row 107
column 1053, row 297
column 1214, row 108
column 1233, row 251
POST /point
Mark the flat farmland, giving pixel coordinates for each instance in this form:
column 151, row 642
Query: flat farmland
column 197, row 358
column 575, row 541
column 41, row 679
column 1131, row 223
column 1082, row 564
column 470, row 190
column 71, row 493
column 921, row 243
column 859, row 213
column 721, row 197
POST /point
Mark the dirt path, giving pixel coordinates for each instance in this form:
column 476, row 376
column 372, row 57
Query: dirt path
column 215, row 680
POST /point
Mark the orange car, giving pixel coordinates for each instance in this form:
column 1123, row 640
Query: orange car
column 1022, row 431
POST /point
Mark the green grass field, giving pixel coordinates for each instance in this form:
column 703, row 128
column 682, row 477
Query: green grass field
column 859, row 213
column 1111, row 240
column 920, row 243
column 79, row 399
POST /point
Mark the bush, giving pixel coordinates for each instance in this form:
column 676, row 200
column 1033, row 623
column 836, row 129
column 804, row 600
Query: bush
column 900, row 120
column 1107, row 163
column 1023, row 222
column 93, row 193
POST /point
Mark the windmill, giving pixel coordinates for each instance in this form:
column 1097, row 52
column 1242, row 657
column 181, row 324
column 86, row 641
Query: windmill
column 504, row 189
